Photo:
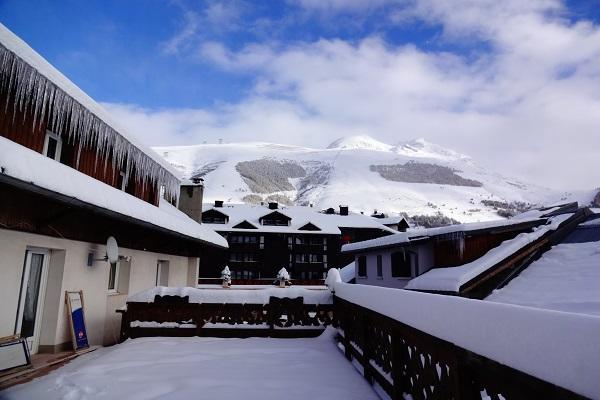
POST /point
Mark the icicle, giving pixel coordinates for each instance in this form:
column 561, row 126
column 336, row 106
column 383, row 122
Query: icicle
column 29, row 91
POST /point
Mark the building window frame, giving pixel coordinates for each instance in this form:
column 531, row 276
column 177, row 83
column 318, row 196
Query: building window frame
column 113, row 277
column 379, row 266
column 361, row 266
column 57, row 150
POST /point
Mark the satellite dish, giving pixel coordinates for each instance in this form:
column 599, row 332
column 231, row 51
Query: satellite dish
column 112, row 250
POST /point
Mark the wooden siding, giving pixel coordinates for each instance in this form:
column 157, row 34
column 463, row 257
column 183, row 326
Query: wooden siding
column 38, row 213
column 447, row 249
column 20, row 129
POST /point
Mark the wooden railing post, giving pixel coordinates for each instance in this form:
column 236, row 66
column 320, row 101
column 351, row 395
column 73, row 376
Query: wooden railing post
column 397, row 362
column 366, row 348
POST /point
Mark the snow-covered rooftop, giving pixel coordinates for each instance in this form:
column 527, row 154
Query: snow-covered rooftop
column 42, row 84
column 452, row 278
column 300, row 216
column 417, row 234
column 29, row 166
column 566, row 278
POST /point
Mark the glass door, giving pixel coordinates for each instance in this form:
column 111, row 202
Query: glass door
column 32, row 297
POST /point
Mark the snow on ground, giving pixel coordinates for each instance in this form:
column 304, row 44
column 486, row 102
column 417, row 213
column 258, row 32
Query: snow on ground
column 205, row 368
column 558, row 347
column 566, row 278
column 452, row 278
column 320, row 295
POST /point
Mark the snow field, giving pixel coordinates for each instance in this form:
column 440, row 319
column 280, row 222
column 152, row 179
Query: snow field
column 205, row 368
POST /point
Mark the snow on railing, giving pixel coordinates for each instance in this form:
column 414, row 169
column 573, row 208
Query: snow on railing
column 556, row 347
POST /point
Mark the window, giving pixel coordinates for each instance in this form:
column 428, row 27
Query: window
column 242, row 257
column 379, row 266
column 113, row 277
column 401, row 264
column 162, row 273
column 316, row 258
column 302, row 258
column 122, row 181
column 243, row 239
column 316, row 241
column 362, row 266
column 52, row 146
column 213, row 216
column 275, row 222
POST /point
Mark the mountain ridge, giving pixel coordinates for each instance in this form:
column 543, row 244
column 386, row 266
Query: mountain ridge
column 415, row 177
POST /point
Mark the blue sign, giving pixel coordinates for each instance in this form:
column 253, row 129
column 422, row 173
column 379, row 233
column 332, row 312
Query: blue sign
column 80, row 340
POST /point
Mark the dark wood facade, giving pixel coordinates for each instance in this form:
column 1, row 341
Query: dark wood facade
column 306, row 256
column 21, row 129
column 28, row 208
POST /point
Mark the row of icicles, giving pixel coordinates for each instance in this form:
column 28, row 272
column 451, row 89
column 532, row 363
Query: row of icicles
column 32, row 92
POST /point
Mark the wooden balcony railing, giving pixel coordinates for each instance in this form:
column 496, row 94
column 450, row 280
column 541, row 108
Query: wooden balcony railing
column 281, row 317
column 404, row 360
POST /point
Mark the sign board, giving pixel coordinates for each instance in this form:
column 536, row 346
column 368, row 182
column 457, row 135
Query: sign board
column 76, row 317
column 13, row 354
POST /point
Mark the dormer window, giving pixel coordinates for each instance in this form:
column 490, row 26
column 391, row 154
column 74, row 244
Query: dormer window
column 52, row 145
column 213, row 216
column 275, row 219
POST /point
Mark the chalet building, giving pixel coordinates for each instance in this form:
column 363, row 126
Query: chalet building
column 440, row 259
column 397, row 223
column 264, row 238
column 69, row 179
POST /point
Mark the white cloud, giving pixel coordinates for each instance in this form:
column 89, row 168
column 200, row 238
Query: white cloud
column 526, row 105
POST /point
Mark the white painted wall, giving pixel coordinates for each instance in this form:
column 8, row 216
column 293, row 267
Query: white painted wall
column 68, row 270
column 425, row 263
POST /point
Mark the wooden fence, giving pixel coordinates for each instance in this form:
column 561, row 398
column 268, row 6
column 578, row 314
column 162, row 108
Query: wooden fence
column 404, row 360
column 281, row 317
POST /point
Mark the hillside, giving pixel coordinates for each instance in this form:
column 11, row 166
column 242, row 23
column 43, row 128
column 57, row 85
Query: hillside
column 414, row 177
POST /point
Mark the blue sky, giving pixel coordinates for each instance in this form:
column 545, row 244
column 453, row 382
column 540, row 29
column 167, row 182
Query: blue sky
column 115, row 50
column 487, row 78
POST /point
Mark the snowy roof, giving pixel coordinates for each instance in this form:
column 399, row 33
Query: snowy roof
column 300, row 216
column 452, row 278
column 31, row 167
column 348, row 272
column 565, row 278
column 412, row 235
column 389, row 220
column 42, row 84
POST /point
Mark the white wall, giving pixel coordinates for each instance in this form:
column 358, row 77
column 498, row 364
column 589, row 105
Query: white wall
column 68, row 271
column 425, row 263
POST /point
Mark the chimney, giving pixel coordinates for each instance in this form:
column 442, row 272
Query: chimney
column 330, row 211
column 273, row 205
column 219, row 203
column 343, row 210
column 190, row 198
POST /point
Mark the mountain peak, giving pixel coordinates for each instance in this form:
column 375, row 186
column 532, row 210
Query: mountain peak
column 365, row 142
column 422, row 148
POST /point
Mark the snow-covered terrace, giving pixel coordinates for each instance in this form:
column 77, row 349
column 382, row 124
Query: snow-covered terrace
column 205, row 368
column 557, row 347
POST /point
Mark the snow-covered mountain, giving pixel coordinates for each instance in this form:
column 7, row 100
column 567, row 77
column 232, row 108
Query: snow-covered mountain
column 415, row 177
